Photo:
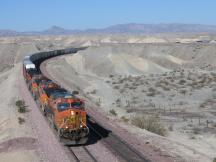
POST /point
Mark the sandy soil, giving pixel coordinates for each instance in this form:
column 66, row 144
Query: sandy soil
column 175, row 81
column 19, row 142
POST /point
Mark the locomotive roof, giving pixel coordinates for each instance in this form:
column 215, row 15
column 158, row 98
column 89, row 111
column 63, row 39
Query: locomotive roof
column 65, row 94
column 50, row 91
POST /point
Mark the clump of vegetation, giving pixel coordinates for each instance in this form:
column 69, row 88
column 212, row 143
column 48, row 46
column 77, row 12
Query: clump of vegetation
column 193, row 137
column 183, row 91
column 150, row 123
column 196, row 130
column 152, row 92
column 123, row 118
column 21, row 120
column 111, row 76
column 93, row 91
column 21, row 106
column 170, row 128
column 214, row 160
column 118, row 102
column 116, row 87
column 113, row 112
column 182, row 81
column 98, row 104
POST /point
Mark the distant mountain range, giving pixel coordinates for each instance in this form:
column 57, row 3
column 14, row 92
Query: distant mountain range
column 131, row 28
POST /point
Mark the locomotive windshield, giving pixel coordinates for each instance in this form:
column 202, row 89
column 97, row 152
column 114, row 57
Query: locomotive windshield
column 77, row 104
column 63, row 106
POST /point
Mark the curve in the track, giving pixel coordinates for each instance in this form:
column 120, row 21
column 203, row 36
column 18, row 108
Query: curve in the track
column 97, row 132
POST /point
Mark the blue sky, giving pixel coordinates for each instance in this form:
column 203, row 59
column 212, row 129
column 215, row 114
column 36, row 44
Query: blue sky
column 27, row 15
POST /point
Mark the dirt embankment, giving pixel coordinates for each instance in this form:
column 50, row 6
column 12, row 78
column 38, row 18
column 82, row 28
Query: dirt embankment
column 90, row 71
column 170, row 81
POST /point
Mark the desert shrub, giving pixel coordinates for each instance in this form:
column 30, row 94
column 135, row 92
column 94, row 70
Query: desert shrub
column 202, row 105
column 151, row 89
column 150, row 123
column 116, row 87
column 214, row 160
column 182, row 81
column 183, row 91
column 150, row 94
column 19, row 103
column 121, row 90
column 165, row 88
column 21, row 106
column 196, row 130
column 93, row 91
column 124, row 119
column 98, row 104
column 113, row 112
column 21, row 120
column 118, row 102
column 170, row 128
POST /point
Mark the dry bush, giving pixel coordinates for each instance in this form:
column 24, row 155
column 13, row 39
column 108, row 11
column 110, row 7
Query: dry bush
column 122, row 90
column 113, row 112
column 151, row 94
column 124, row 119
column 21, row 106
column 196, row 130
column 182, row 82
column 183, row 91
column 94, row 91
column 21, row 120
column 150, row 123
column 116, row 87
column 111, row 76
column 165, row 88
column 118, row 102
column 170, row 128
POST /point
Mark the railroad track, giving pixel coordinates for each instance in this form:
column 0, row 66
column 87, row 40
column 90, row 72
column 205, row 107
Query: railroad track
column 120, row 148
column 82, row 154
column 116, row 145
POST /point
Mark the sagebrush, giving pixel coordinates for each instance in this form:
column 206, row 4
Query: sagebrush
column 150, row 123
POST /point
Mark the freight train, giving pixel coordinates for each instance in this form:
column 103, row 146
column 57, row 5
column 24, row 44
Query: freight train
column 63, row 109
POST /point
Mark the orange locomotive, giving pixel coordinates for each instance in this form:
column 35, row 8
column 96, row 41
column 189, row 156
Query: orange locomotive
column 65, row 112
column 34, row 84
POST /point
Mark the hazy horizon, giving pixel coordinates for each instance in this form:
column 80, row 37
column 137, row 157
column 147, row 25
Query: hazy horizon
column 39, row 15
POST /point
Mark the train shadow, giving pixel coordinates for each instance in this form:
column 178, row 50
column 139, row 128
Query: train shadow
column 96, row 133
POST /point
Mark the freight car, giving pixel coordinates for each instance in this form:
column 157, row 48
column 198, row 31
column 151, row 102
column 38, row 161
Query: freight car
column 64, row 111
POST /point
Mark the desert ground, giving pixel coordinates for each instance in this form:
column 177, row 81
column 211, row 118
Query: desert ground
column 167, row 78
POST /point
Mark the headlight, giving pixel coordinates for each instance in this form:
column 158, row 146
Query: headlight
column 72, row 112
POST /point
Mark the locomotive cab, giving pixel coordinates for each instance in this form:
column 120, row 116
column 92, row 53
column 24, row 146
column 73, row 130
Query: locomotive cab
column 69, row 117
